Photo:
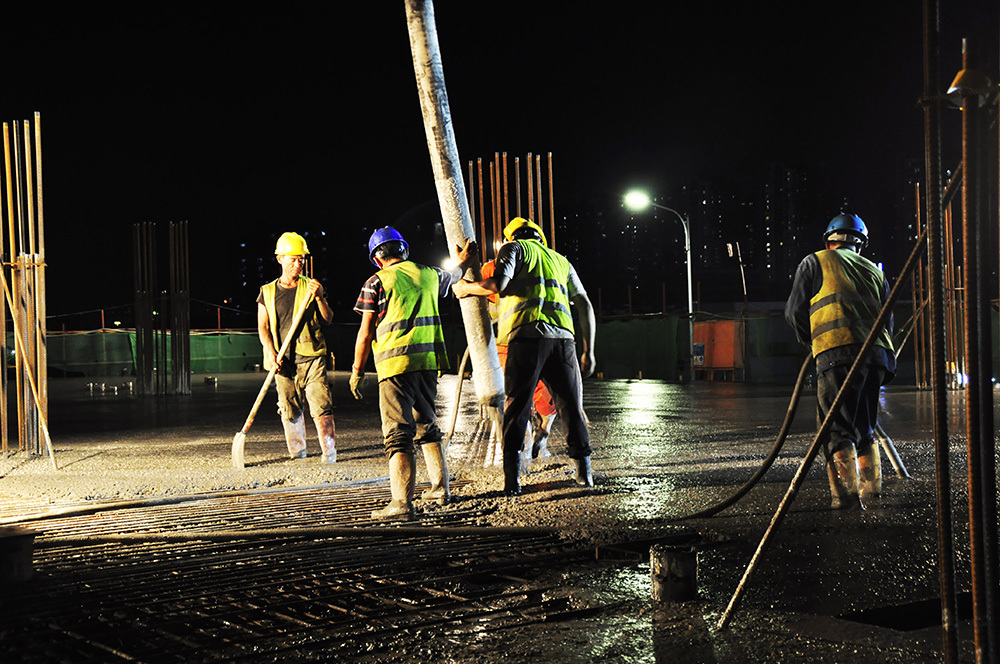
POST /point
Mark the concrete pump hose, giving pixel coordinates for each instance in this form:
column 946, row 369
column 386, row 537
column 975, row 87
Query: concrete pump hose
column 767, row 462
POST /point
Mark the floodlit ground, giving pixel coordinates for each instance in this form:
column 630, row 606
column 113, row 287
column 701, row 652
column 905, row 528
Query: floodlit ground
column 832, row 586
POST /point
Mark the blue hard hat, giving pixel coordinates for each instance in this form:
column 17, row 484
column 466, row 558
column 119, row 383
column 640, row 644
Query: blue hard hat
column 847, row 224
column 380, row 237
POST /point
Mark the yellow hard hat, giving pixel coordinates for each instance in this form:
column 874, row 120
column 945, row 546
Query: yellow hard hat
column 517, row 223
column 291, row 244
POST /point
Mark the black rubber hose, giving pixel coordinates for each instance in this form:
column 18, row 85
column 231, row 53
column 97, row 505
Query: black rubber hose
column 769, row 461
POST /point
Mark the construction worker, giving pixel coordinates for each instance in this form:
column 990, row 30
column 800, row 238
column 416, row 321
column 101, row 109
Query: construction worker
column 836, row 297
column 401, row 325
column 543, row 413
column 301, row 375
column 536, row 286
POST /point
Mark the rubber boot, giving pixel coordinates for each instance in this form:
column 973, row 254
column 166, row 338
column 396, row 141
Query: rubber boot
column 295, row 436
column 327, row 432
column 584, row 476
column 401, row 484
column 526, row 447
column 870, row 473
column 512, row 473
column 540, row 443
column 437, row 472
column 842, row 471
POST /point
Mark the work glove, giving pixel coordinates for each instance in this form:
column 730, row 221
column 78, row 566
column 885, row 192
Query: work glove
column 358, row 381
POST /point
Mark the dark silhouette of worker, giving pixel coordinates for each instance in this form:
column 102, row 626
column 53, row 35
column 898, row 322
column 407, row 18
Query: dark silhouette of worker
column 536, row 286
column 836, row 297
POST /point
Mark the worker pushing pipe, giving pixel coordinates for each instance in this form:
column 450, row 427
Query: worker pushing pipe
column 877, row 326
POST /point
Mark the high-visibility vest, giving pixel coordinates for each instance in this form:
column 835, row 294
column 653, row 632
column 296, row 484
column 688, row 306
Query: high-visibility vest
column 537, row 292
column 310, row 342
column 848, row 302
column 409, row 336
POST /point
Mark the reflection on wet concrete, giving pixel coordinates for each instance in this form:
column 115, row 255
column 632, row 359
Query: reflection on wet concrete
column 661, row 451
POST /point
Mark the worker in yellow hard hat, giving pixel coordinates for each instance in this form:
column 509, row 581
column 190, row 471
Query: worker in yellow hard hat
column 543, row 413
column 536, row 286
column 301, row 377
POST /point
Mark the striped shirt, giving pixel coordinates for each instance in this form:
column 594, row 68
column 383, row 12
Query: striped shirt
column 373, row 296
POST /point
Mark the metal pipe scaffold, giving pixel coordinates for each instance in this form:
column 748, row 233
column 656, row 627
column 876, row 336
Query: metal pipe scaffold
column 23, row 277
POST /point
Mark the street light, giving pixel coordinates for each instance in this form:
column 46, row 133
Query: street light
column 637, row 201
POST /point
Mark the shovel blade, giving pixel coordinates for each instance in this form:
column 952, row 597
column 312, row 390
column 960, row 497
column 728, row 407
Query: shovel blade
column 238, row 443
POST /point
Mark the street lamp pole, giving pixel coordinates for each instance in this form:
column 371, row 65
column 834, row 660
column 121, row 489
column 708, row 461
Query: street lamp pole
column 687, row 249
column 639, row 200
column 685, row 221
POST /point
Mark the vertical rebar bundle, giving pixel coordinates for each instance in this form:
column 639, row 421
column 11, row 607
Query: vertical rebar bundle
column 501, row 190
column 180, row 309
column 23, row 281
column 959, row 332
column 162, row 317
column 980, row 441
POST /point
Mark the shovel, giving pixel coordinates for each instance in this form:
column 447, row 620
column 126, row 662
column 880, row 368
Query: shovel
column 240, row 439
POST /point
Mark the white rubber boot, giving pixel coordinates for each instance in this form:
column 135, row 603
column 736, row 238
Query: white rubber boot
column 526, row 446
column 870, row 473
column 540, row 442
column 842, row 471
column 584, row 476
column 295, row 436
column 437, row 472
column 327, row 432
column 401, row 484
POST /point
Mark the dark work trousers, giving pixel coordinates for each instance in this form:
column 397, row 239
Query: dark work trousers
column 854, row 422
column 553, row 361
column 406, row 402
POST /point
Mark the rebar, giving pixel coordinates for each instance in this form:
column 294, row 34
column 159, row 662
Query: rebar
column 167, row 584
column 23, row 252
column 935, row 254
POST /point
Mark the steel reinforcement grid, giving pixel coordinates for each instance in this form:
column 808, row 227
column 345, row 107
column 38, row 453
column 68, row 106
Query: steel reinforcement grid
column 278, row 576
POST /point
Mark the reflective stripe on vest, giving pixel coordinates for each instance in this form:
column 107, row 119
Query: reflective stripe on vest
column 409, row 336
column 537, row 292
column 848, row 302
column 310, row 342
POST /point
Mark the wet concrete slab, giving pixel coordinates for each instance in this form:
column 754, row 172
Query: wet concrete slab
column 832, row 586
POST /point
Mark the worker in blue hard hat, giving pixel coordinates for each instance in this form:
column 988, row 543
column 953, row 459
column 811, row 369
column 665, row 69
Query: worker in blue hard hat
column 836, row 296
column 401, row 327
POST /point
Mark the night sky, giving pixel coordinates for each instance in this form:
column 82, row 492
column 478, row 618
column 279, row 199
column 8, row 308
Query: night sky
column 247, row 121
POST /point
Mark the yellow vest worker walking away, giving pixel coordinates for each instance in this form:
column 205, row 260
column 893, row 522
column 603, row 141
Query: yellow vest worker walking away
column 401, row 326
column 301, row 374
column 536, row 286
column 836, row 297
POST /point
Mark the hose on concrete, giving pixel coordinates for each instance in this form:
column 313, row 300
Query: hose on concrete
column 772, row 455
column 880, row 435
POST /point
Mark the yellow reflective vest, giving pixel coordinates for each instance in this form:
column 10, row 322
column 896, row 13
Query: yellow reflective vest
column 310, row 342
column 409, row 336
column 848, row 302
column 536, row 293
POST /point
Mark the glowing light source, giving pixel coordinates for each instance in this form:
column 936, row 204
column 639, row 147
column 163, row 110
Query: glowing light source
column 637, row 200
